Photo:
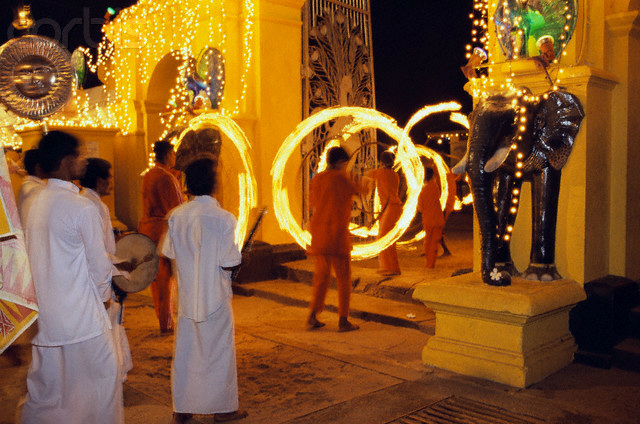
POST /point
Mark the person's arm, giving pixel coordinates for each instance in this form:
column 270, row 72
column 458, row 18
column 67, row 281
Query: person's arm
column 420, row 206
column 130, row 266
column 167, row 190
column 98, row 263
column 230, row 257
column 166, row 248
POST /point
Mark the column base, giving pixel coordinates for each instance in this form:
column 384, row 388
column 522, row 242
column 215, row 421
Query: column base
column 516, row 335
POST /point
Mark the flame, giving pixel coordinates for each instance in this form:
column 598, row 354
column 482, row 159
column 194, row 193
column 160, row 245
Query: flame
column 322, row 165
column 441, row 166
column 459, row 118
column 247, row 186
column 363, row 118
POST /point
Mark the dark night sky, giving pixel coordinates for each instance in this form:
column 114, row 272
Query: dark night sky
column 418, row 47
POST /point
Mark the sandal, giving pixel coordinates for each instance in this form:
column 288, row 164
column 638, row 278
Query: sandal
column 230, row 416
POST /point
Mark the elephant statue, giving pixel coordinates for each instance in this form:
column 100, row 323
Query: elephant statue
column 515, row 136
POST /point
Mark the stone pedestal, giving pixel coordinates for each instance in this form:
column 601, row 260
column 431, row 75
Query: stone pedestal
column 515, row 335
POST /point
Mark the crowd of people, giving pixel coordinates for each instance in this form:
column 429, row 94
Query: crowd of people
column 80, row 353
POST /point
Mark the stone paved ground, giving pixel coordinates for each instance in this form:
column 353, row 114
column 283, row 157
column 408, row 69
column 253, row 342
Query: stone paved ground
column 374, row 375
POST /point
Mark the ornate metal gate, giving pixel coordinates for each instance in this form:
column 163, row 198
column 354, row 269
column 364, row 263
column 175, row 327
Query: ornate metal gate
column 337, row 70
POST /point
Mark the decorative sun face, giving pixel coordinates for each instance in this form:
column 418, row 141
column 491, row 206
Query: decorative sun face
column 34, row 76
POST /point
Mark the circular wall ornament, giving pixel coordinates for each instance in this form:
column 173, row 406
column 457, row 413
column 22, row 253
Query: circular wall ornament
column 36, row 77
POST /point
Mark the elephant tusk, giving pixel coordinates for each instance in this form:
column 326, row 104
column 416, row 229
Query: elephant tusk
column 461, row 167
column 496, row 160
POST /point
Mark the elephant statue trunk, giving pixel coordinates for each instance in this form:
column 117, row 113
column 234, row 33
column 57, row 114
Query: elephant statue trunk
column 516, row 137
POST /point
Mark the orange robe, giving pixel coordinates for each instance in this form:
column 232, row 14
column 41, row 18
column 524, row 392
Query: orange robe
column 388, row 181
column 330, row 201
column 432, row 220
column 160, row 193
column 452, row 185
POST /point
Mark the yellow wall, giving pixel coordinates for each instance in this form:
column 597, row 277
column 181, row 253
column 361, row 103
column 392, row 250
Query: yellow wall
column 278, row 63
column 599, row 211
column 271, row 109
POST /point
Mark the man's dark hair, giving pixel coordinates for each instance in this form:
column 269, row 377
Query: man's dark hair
column 428, row 173
column 161, row 149
column 96, row 168
column 387, row 159
column 31, row 160
column 336, row 155
column 200, row 177
column 55, row 146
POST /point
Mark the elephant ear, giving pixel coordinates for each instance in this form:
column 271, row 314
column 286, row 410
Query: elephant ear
column 556, row 125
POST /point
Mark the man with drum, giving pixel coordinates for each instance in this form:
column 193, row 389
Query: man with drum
column 161, row 192
column 201, row 239
column 97, row 182
column 73, row 375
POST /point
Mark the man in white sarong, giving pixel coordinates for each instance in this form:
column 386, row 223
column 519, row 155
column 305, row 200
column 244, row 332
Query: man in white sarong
column 201, row 239
column 73, row 377
column 98, row 182
column 32, row 184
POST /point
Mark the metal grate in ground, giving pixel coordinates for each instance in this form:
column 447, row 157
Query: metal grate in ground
column 457, row 410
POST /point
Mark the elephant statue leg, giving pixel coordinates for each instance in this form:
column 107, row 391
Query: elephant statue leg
column 504, row 186
column 545, row 189
column 481, row 188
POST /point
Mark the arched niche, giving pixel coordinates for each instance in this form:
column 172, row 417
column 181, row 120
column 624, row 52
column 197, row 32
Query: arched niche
column 163, row 79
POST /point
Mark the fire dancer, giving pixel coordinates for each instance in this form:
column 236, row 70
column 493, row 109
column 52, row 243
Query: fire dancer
column 387, row 181
column 432, row 217
column 330, row 201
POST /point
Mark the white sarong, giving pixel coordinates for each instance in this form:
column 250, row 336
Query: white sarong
column 74, row 384
column 123, row 352
column 204, row 377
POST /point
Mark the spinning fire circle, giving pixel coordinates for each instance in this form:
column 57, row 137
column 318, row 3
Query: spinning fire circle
column 246, row 179
column 363, row 118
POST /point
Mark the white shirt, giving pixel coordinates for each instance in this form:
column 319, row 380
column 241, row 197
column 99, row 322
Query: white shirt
column 70, row 267
column 201, row 239
column 31, row 186
column 107, row 229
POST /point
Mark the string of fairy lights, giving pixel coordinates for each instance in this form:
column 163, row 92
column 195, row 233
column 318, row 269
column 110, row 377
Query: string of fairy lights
column 481, row 37
column 126, row 60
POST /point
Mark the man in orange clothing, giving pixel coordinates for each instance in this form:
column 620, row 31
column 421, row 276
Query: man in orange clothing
column 160, row 193
column 452, row 186
column 330, row 201
column 387, row 181
column 432, row 216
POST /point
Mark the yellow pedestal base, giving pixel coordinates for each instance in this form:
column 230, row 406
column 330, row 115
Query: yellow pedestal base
column 516, row 335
